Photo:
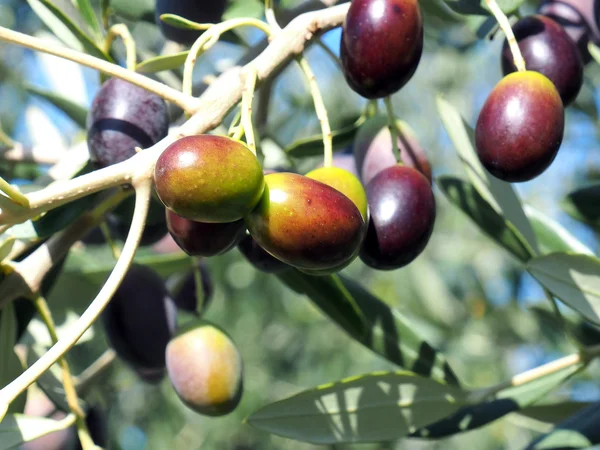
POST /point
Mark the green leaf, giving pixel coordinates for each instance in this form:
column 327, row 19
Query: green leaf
column 11, row 366
column 17, row 429
column 573, row 278
column 6, row 247
column 578, row 431
column 502, row 403
column 584, row 205
column 372, row 323
column 463, row 195
column 313, row 145
column 244, row 8
column 500, row 195
column 134, row 10
column 55, row 24
column 88, row 14
column 479, row 7
column 551, row 236
column 162, row 62
column 84, row 40
column 74, row 111
column 553, row 412
column 370, row 408
column 180, row 22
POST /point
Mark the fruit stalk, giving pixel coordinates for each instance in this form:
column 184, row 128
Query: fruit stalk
column 247, row 97
column 210, row 38
column 393, row 129
column 28, row 377
column 121, row 30
column 320, row 110
column 67, row 379
column 270, row 16
column 510, row 36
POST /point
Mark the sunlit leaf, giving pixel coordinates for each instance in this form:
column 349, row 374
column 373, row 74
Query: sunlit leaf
column 313, row 145
column 369, row 408
column 162, row 62
column 500, row 195
column 506, row 401
column 17, row 429
column 58, row 28
column 75, row 111
column 578, row 431
column 372, row 323
column 573, row 278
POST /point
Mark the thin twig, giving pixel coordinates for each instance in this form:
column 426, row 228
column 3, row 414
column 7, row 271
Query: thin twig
column 169, row 94
column 510, row 36
column 392, row 126
column 86, row 378
column 320, row 110
column 270, row 16
column 29, row 376
column 121, row 30
column 69, row 386
column 247, row 97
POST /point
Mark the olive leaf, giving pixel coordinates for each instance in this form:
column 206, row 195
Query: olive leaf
column 162, row 62
column 74, row 111
column 368, row 408
column 11, row 366
column 16, row 429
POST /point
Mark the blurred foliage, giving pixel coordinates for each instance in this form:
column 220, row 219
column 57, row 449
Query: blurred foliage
column 466, row 296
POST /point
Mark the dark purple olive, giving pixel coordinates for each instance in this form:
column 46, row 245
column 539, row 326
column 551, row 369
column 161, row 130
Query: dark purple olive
column 203, row 11
column 548, row 49
column 124, row 116
column 140, row 320
column 259, row 258
column 204, row 239
column 186, row 298
column 402, row 208
column 381, row 45
column 579, row 18
column 520, row 127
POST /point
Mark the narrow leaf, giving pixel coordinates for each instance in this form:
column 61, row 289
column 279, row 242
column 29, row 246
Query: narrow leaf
column 573, row 278
column 313, row 145
column 369, row 408
column 181, row 22
column 50, row 382
column 500, row 195
column 11, row 366
column 54, row 24
column 584, row 205
column 86, row 43
column 88, row 14
column 162, row 62
column 578, row 431
column 372, row 323
column 553, row 413
column 552, row 236
column 466, row 197
column 16, row 429
column 74, row 111
column 504, row 402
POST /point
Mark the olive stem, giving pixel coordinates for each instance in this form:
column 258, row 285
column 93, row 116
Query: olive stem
column 393, row 128
column 510, row 36
column 320, row 110
column 67, row 379
column 114, row 70
column 210, row 38
column 270, row 16
column 116, row 251
column 247, row 97
column 235, row 123
column 121, row 30
column 13, row 193
column 332, row 56
column 143, row 190
column 198, row 284
column 85, row 379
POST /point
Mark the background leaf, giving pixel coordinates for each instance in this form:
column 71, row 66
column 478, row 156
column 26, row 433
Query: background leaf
column 584, row 205
column 11, row 366
column 87, row 13
column 372, row 323
column 500, row 195
column 553, row 412
column 579, row 431
column 573, row 278
column 369, row 408
column 17, row 429
column 74, row 111
column 313, row 145
column 162, row 62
